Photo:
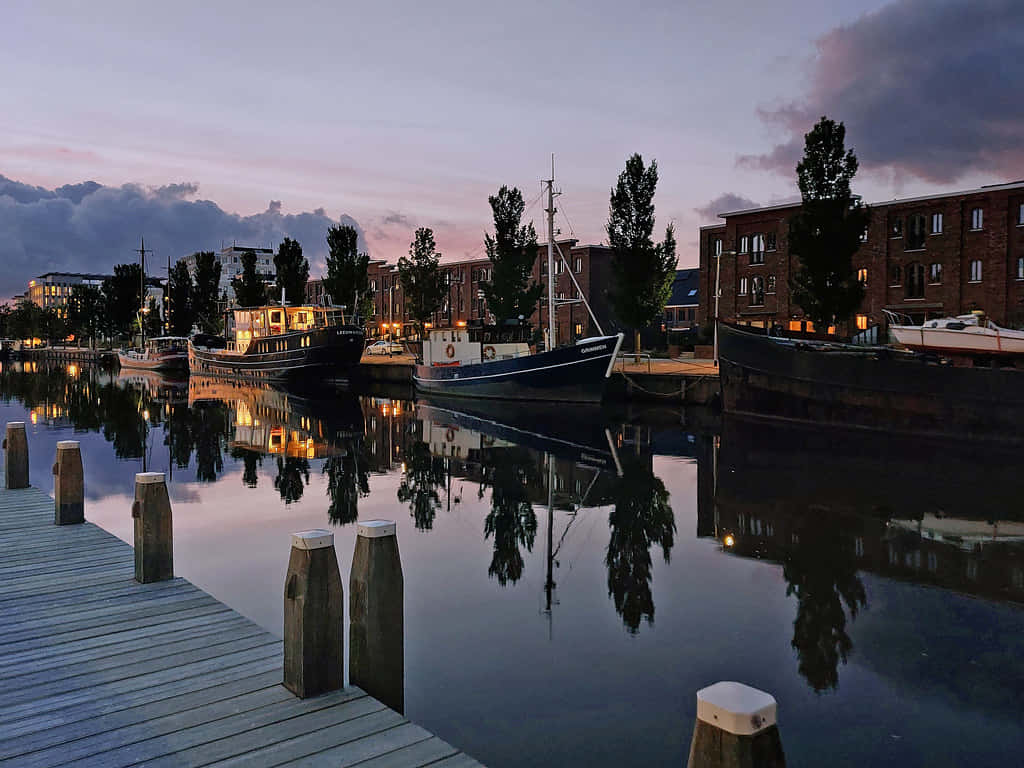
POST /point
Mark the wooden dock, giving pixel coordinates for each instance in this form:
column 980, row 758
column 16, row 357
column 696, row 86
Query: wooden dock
column 98, row 670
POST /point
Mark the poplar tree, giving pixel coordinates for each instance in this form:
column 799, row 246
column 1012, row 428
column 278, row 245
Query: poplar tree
column 180, row 307
column 827, row 230
column 642, row 270
column 421, row 278
column 292, row 271
column 85, row 312
column 250, row 290
column 510, row 293
column 346, row 280
column 122, row 298
column 204, row 300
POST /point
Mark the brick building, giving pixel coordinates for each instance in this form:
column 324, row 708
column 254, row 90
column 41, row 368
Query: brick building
column 924, row 257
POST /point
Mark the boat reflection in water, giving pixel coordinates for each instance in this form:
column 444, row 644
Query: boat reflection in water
column 831, row 510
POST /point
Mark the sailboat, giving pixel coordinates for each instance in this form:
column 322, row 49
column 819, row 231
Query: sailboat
column 497, row 362
column 162, row 353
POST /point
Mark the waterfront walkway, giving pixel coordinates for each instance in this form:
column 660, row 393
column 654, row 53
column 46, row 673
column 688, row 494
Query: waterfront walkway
column 98, row 670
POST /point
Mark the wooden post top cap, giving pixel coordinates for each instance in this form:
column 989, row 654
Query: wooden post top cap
column 15, row 424
column 315, row 539
column 375, row 529
column 145, row 478
column 63, row 444
column 736, row 708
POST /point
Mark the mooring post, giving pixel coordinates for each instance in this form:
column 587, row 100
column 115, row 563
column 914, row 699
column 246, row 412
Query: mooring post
column 736, row 728
column 314, row 646
column 68, row 484
column 16, row 455
column 376, row 635
column 154, row 554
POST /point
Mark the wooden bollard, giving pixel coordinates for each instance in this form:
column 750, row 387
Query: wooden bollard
column 736, row 728
column 68, row 484
column 16, row 455
column 314, row 646
column 376, row 635
column 154, row 552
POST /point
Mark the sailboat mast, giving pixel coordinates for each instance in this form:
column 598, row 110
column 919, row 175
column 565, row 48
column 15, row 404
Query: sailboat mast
column 551, row 339
column 142, row 292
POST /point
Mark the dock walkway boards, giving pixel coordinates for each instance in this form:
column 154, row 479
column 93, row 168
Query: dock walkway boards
column 98, row 670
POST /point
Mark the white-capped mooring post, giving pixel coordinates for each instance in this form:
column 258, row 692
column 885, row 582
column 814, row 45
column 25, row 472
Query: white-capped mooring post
column 376, row 638
column 736, row 728
column 154, row 553
column 314, row 649
column 68, row 484
column 16, row 455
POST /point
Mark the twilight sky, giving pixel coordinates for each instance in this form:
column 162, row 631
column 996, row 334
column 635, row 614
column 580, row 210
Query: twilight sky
column 206, row 122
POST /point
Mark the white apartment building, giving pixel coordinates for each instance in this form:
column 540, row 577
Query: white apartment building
column 230, row 259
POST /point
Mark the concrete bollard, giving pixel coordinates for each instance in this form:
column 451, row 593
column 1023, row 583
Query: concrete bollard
column 376, row 636
column 736, row 728
column 68, row 484
column 16, row 455
column 154, row 553
column 314, row 646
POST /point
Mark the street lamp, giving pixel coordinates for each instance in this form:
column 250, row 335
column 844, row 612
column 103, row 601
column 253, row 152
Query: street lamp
column 718, row 292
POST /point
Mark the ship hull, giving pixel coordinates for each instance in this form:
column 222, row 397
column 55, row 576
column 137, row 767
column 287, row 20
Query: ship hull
column 175, row 362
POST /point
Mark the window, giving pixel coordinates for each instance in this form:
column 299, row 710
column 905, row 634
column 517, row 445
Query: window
column 862, row 322
column 717, row 246
column 744, row 244
column 1020, row 215
column 896, row 227
column 743, row 286
column 936, row 223
column 578, row 329
column 915, row 281
column 915, row 233
column 895, row 275
column 757, row 249
column 1020, row 268
column 977, row 218
column 935, row 274
column 862, row 275
column 771, row 284
column 864, row 235
column 577, row 264
column 975, row 272
column 769, row 240
column 757, row 291
column 794, row 325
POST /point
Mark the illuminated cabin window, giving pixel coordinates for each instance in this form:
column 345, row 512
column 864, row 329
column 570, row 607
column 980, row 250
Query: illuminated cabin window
column 810, row 327
column 794, row 325
column 862, row 322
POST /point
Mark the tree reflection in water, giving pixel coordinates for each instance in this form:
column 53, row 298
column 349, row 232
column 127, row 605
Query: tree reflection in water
column 641, row 518
column 347, row 480
column 210, row 429
column 821, row 571
column 424, row 474
column 251, row 462
column 508, row 472
column 292, row 478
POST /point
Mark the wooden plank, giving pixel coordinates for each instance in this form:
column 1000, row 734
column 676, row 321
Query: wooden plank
column 18, row 617
column 457, row 761
column 125, row 588
column 322, row 748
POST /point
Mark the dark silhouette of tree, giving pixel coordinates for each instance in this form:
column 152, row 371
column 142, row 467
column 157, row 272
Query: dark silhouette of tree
column 122, row 298
column 511, row 521
column 346, row 279
column 85, row 312
column 642, row 271
column 123, row 424
column 822, row 573
column 178, row 434
column 292, row 271
column 422, row 286
column 292, row 478
column 53, row 326
column 26, row 320
column 826, row 232
column 204, row 292
column 251, row 462
column 510, row 293
column 641, row 518
column 180, row 305
column 250, row 290
column 151, row 318
column 348, row 480
column 209, row 431
column 424, row 474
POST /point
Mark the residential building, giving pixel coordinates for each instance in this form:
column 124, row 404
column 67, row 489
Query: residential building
column 935, row 255
column 230, row 260
column 682, row 306
column 53, row 289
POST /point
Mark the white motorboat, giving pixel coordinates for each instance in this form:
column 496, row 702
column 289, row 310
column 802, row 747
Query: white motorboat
column 971, row 334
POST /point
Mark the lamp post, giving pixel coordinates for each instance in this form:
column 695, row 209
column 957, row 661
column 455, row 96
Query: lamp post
column 718, row 292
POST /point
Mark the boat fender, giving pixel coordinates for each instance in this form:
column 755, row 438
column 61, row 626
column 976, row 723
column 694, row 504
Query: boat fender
column 449, row 435
column 489, row 353
column 450, row 350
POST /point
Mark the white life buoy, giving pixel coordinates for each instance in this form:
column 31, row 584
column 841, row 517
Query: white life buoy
column 450, row 351
column 449, row 435
column 489, row 353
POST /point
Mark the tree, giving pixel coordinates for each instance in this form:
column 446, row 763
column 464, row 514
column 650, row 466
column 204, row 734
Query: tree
column 25, row 321
column 346, row 280
column 122, row 297
column 348, row 479
column 418, row 488
column 5, row 317
column 151, row 319
column 827, row 230
column 291, row 472
column 179, row 304
column 250, row 291
column 510, row 472
column 204, row 297
column 642, row 270
column 52, row 326
column 292, row 271
column 85, row 312
column 421, row 279
column 510, row 293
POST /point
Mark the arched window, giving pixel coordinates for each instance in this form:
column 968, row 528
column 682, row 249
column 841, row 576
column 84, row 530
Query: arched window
column 915, row 233
column 915, row 281
column 757, row 291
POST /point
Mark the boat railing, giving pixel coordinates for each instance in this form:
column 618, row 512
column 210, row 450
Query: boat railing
column 620, row 361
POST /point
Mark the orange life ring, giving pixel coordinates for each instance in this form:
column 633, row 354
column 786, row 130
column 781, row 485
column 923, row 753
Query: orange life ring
column 489, row 353
column 449, row 435
column 450, row 350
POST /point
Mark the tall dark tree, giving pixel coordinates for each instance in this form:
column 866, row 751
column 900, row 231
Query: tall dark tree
column 641, row 518
column 53, row 326
column 346, row 279
column 827, row 230
column 292, row 478
column 422, row 286
column 204, row 292
column 210, row 426
column 642, row 270
column 85, row 312
column 26, row 319
column 180, row 304
column 424, row 474
column 510, row 293
column 250, row 290
column 122, row 294
column 5, row 319
column 348, row 479
column 511, row 521
column 151, row 318
column 251, row 462
column 292, row 271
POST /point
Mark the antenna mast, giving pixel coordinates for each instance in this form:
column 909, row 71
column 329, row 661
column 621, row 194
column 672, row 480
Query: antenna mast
column 142, row 290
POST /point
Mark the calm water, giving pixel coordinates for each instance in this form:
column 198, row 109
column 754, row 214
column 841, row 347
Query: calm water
column 572, row 577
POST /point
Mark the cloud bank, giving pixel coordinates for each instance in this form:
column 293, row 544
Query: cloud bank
column 89, row 227
column 728, row 201
column 928, row 88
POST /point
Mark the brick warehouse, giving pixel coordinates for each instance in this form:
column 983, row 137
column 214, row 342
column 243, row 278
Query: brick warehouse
column 925, row 256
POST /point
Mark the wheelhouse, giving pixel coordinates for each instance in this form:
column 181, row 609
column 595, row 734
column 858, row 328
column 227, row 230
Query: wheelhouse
column 251, row 323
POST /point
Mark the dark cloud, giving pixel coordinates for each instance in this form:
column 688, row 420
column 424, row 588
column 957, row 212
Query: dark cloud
column 88, row 227
column 728, row 201
column 397, row 218
column 926, row 88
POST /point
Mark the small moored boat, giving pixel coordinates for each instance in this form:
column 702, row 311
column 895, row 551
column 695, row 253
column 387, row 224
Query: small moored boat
column 971, row 334
column 162, row 353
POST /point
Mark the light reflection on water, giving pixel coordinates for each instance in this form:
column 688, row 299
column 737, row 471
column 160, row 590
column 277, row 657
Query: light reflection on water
column 572, row 576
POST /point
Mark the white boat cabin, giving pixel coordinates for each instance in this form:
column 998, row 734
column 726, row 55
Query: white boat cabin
column 469, row 346
column 259, row 322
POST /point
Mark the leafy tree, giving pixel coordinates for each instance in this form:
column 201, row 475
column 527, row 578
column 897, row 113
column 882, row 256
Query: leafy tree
column 291, row 472
column 346, row 280
column 26, row 320
column 179, row 306
column 513, row 250
column 204, row 295
column 292, row 271
column 250, row 290
column 423, row 476
column 826, row 232
column 511, row 521
column 209, row 431
column 151, row 319
column 251, row 462
column 85, row 312
column 52, row 326
column 642, row 270
column 421, row 279
column 348, row 479
column 123, row 298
